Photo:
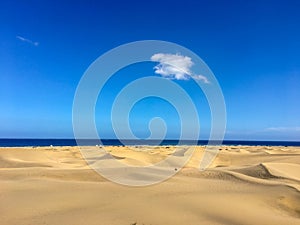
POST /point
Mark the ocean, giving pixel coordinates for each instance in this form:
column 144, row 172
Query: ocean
column 9, row 142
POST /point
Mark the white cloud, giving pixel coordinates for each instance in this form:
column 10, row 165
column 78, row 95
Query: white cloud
column 175, row 66
column 283, row 129
column 27, row 40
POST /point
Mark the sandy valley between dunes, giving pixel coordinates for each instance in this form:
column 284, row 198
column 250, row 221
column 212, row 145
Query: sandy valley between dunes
column 243, row 185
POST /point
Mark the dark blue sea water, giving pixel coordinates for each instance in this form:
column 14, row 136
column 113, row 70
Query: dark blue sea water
column 6, row 142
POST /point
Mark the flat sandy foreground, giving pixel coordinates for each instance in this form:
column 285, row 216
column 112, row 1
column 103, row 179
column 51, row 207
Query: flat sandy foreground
column 243, row 185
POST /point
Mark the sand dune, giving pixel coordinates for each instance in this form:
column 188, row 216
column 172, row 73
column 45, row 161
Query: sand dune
column 243, row 185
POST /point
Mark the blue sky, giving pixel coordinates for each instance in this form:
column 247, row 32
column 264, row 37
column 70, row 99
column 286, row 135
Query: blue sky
column 252, row 47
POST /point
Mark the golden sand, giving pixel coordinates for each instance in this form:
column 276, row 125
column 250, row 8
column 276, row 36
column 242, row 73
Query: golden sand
column 243, row 185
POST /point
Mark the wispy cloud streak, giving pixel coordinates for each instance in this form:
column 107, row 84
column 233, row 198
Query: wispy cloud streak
column 283, row 129
column 27, row 41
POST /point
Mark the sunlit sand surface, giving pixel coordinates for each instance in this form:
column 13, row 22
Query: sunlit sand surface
column 243, row 185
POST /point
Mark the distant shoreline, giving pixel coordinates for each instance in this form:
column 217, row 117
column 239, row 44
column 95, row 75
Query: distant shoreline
column 30, row 142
